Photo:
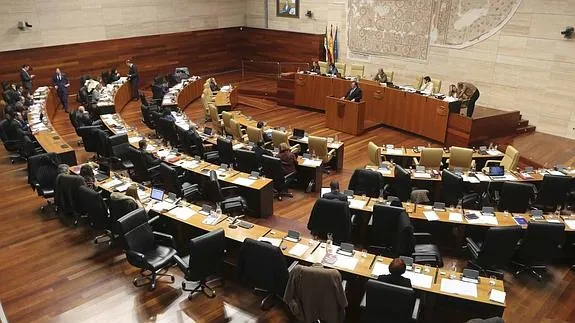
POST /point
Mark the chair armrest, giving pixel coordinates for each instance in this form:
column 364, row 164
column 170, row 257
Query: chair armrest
column 229, row 190
column 154, row 219
column 290, row 175
column 154, row 168
column 344, row 284
column 137, row 255
column 295, row 148
column 363, row 301
column 181, row 264
column 472, row 245
column 415, row 161
column 331, row 153
column 422, row 237
column 292, row 266
column 416, row 309
column 164, row 237
column 491, row 161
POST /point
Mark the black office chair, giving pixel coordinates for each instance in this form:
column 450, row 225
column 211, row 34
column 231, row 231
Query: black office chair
column 42, row 172
column 200, row 150
column 143, row 250
column 105, row 77
column 402, row 187
column 272, row 168
column 66, row 195
column 515, row 197
column 157, row 94
column 97, row 213
column 366, row 182
column 147, row 117
column 263, row 266
column 141, row 172
column 453, row 191
column 90, row 138
column 541, row 243
column 416, row 245
column 247, row 162
column 174, row 182
column 121, row 156
column 206, row 257
column 119, row 205
column 226, row 151
column 553, row 192
column 385, row 302
column 74, row 122
column 12, row 145
column 167, row 129
column 330, row 216
column 382, row 229
column 227, row 197
column 496, row 249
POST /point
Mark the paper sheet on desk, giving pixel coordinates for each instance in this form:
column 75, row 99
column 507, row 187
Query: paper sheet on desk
column 470, row 179
column 555, row 172
column 357, row 204
column 384, row 171
column 431, row 215
column 497, row 296
column 311, row 162
column 163, row 153
column 493, row 152
column 379, row 268
column 394, row 151
column 459, row 287
column 244, row 181
column 457, row 217
column 123, row 187
column 143, row 194
column 273, row 241
column 184, row 125
column 345, row 262
column 134, row 140
column 298, row 250
column 570, row 224
column 238, row 146
column 483, row 219
column 421, row 175
column 418, row 279
column 482, row 177
column 183, row 213
column 111, row 183
column 189, row 164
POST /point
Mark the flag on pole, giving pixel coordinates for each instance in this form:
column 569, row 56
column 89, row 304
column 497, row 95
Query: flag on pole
column 330, row 45
column 335, row 49
column 325, row 45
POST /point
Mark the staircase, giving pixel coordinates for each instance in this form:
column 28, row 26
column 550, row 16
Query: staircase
column 523, row 126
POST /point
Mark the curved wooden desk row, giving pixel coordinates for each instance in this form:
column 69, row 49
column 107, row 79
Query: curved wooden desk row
column 423, row 115
column 425, row 279
column 410, row 153
column 46, row 104
column 115, row 96
column 258, row 192
column 184, row 93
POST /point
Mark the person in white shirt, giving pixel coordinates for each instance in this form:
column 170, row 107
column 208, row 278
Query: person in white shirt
column 427, row 85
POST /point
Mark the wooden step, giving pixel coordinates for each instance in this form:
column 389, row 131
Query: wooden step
column 525, row 129
column 523, row 123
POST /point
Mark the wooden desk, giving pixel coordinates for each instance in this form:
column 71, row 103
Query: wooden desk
column 46, row 104
column 183, row 93
column 227, row 98
column 123, row 96
column 345, row 116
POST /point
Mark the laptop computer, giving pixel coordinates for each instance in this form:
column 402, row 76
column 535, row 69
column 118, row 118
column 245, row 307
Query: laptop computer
column 298, row 133
column 157, row 194
column 496, row 172
column 208, row 131
column 103, row 172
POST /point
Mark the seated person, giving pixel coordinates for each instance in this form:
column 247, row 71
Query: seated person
column 354, row 93
column 213, row 85
column 314, row 67
column 380, row 77
column 47, row 171
column 97, row 93
column 21, row 122
column 334, row 194
column 28, row 99
column 267, row 137
column 63, row 169
column 167, row 115
column 332, row 70
column 114, row 74
column 87, row 172
column 288, row 159
column 259, row 151
column 11, row 127
column 151, row 161
column 396, row 269
column 83, row 118
column 427, row 85
column 132, row 192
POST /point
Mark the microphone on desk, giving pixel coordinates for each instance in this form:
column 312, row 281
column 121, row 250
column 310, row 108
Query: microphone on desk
column 234, row 220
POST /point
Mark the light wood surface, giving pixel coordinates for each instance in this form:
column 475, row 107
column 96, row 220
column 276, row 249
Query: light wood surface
column 345, row 116
column 227, row 98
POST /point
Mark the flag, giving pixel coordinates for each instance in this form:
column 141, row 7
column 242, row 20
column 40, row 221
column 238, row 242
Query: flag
column 335, row 49
column 330, row 45
column 325, row 45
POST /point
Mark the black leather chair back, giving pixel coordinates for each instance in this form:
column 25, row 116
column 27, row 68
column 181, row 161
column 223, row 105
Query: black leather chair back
column 554, row 191
column 246, row 161
column 401, row 186
column 330, row 216
column 499, row 246
column 263, row 265
column 147, row 115
column 542, row 242
column 121, row 151
column 137, row 235
column 389, row 302
column 226, row 151
column 197, row 141
column 206, row 255
column 90, row 138
column 118, row 208
column 170, row 179
column 66, row 192
column 383, row 231
column 105, row 77
column 95, row 207
column 272, row 167
column 405, row 243
column 515, row 197
column 212, row 189
column 451, row 187
column 157, row 93
column 365, row 181
column 140, row 167
column 41, row 161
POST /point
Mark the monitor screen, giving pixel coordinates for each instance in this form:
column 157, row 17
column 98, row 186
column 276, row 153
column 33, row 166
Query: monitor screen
column 208, row 131
column 104, row 169
column 298, row 133
column 496, row 171
column 157, row 194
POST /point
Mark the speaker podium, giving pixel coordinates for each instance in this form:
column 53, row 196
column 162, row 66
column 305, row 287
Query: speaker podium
column 345, row 116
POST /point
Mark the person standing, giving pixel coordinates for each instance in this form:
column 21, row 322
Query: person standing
column 61, row 83
column 468, row 92
column 354, row 93
column 134, row 78
column 26, row 77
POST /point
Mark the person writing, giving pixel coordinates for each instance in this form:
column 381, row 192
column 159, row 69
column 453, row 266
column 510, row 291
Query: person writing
column 334, row 193
column 380, row 77
column 396, row 270
column 266, row 136
column 332, row 70
column 259, row 151
column 427, row 85
column 314, row 67
column 61, row 84
column 354, row 93
column 288, row 159
column 468, row 92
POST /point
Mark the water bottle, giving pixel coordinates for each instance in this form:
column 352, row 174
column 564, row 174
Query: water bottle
column 329, row 244
column 453, row 274
column 218, row 209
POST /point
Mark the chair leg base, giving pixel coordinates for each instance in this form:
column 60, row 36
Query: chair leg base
column 201, row 286
column 532, row 270
column 151, row 278
column 268, row 302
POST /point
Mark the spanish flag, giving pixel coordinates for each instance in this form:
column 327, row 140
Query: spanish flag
column 330, row 45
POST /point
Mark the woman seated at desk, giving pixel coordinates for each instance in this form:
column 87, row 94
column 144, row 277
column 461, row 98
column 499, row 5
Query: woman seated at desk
column 288, row 159
column 396, row 270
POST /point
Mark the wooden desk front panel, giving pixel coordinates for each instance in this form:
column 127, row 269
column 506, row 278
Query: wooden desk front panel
column 123, row 96
column 190, row 93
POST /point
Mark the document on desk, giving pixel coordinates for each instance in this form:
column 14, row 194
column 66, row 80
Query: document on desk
column 311, row 162
column 431, row 215
column 482, row 177
column 418, row 279
column 244, row 181
column 162, row 206
column 421, row 175
column 123, row 187
column 238, row 146
column 394, row 151
column 111, row 183
column 298, row 250
column 182, row 213
column 555, row 172
column 346, row 262
column 189, row 164
column 273, row 241
column 134, row 140
column 493, row 152
column 454, row 216
column 570, row 224
column 357, row 204
column 470, row 179
column 379, row 268
column 497, row 296
column 459, row 287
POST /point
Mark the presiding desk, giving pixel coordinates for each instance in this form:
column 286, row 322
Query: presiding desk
column 226, row 97
column 423, row 115
column 183, row 93
column 39, row 115
column 345, row 116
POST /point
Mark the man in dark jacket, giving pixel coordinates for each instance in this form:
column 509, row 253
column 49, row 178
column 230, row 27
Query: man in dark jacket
column 334, row 193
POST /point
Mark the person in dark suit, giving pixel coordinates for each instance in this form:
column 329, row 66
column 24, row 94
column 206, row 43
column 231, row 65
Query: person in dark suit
column 354, row 93
column 61, row 84
column 314, row 67
column 26, row 77
column 135, row 78
column 332, row 69
column 334, row 194
column 259, row 151
column 267, row 137
column 82, row 117
column 151, row 161
column 213, row 85
column 396, row 269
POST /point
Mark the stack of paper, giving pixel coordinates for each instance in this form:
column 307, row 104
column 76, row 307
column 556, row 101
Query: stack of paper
column 345, row 262
column 459, row 287
column 183, row 213
column 111, row 183
column 497, row 296
column 379, row 268
column 419, row 280
column 273, row 241
column 421, row 175
column 570, row 224
column 244, row 181
column 357, row 204
column 453, row 216
column 431, row 215
column 394, row 151
column 298, row 250
column 311, row 162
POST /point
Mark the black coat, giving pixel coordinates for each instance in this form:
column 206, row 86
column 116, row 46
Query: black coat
column 356, row 95
column 264, row 266
column 335, row 196
column 395, row 280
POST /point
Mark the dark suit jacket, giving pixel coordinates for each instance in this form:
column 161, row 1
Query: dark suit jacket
column 133, row 72
column 355, row 96
column 259, row 151
column 395, row 280
column 151, row 161
column 60, row 83
column 314, row 69
column 335, row 196
column 214, row 87
column 25, row 79
column 333, row 71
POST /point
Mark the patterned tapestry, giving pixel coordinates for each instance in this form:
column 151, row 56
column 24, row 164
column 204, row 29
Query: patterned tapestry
column 406, row 28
